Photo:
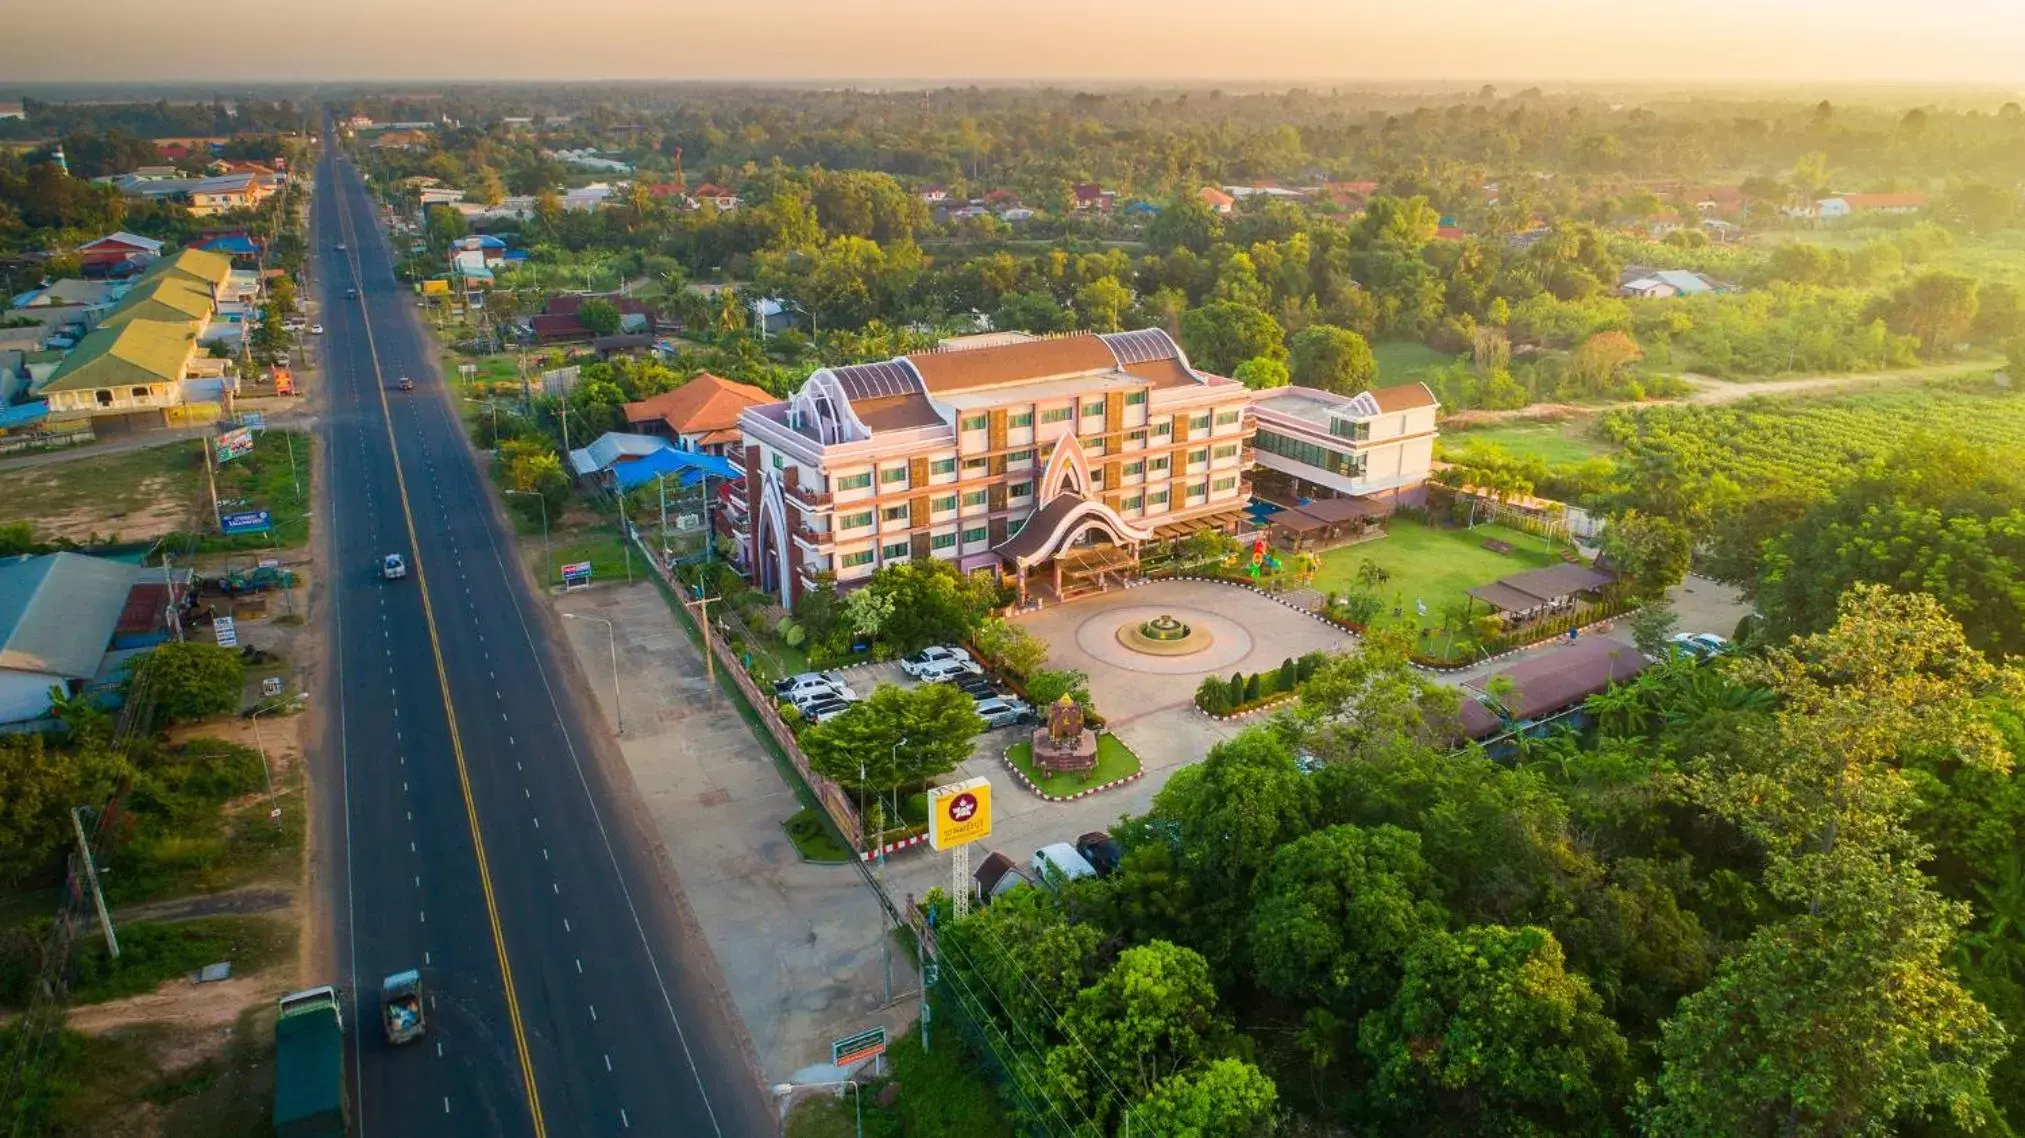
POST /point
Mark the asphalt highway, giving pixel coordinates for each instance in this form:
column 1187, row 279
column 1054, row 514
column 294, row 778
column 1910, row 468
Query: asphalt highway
column 481, row 842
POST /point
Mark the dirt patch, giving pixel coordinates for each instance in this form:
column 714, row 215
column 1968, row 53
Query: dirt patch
column 1531, row 413
column 195, row 1019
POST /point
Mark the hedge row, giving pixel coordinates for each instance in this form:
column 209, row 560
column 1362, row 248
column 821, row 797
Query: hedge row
column 1219, row 696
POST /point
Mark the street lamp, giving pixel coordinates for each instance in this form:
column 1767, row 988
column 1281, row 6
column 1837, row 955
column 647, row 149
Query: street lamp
column 612, row 636
column 547, row 558
column 783, row 1090
column 265, row 767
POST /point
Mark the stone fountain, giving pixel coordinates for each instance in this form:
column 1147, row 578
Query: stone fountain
column 1164, row 636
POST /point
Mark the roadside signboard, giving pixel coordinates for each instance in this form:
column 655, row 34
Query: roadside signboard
column 253, row 421
column 248, row 521
column 576, row 575
column 959, row 814
column 854, row 1049
column 227, row 631
column 233, row 444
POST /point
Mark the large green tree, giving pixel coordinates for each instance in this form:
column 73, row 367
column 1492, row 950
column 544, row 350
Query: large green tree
column 1333, row 359
column 1150, row 1017
column 1222, row 334
column 896, row 737
column 1490, row 1034
column 1337, row 911
column 1228, row 1098
column 188, row 680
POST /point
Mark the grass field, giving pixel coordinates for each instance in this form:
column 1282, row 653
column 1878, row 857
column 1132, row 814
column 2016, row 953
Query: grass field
column 1556, row 444
column 1431, row 565
column 1400, row 361
column 1114, row 761
column 814, row 838
column 153, row 953
column 274, row 477
column 602, row 548
column 135, row 495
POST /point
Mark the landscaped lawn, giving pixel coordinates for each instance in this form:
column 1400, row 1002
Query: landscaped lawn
column 1115, row 760
column 1556, row 444
column 1402, row 361
column 1430, row 564
column 601, row 547
column 273, row 476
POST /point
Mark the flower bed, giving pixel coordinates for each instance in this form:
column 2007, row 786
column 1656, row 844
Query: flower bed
column 1116, row 766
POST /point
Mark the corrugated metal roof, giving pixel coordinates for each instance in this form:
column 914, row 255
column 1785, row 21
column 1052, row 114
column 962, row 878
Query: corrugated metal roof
column 58, row 612
column 137, row 352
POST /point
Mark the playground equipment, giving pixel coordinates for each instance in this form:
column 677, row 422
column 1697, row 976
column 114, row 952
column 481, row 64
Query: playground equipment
column 1262, row 559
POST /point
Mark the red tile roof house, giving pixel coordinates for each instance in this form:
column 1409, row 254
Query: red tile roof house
column 1215, row 199
column 560, row 324
column 701, row 415
column 1090, row 195
column 717, row 195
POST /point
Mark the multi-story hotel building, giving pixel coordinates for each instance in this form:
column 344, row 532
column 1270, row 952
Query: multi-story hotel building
column 1050, row 460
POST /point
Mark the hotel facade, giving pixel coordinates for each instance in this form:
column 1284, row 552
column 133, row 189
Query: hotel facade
column 1051, row 461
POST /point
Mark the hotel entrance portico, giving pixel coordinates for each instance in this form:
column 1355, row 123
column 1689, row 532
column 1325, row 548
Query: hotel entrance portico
column 1076, row 545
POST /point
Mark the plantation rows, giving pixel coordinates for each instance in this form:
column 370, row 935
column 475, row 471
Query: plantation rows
column 1811, row 445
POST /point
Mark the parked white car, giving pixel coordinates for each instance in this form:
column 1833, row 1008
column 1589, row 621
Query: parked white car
column 809, row 685
column 1060, row 862
column 947, row 671
column 1700, row 645
column 826, row 707
column 392, row 567
column 935, row 657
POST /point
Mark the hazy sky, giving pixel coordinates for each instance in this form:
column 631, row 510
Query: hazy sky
column 1952, row 41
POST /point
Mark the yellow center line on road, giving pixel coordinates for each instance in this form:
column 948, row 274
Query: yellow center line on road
column 443, row 682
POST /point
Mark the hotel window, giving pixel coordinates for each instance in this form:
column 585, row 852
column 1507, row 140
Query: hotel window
column 1157, row 465
column 942, row 466
column 1138, row 436
column 1132, row 503
column 1311, row 454
column 1228, row 450
column 1199, row 455
column 1019, row 490
column 974, row 467
column 1020, row 419
column 1020, row 458
column 971, row 535
column 896, row 474
column 942, row 504
column 1198, row 490
column 975, row 422
column 855, row 481
column 1222, row 484
column 1135, row 468
column 777, row 463
column 942, row 541
column 855, row 521
column 1198, row 423
column 1226, row 418
column 895, row 549
column 1164, row 427
column 1157, row 498
column 1057, row 414
column 893, row 513
column 974, row 498
column 1356, row 430
column 1134, row 398
column 1094, row 409
column 853, row 560
column 1094, row 445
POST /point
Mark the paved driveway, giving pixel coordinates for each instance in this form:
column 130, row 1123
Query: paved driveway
column 1248, row 633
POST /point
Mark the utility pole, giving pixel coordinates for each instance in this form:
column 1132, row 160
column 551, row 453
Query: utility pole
column 112, row 942
column 702, row 606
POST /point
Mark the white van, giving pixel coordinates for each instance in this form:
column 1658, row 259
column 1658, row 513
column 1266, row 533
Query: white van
column 1060, row 862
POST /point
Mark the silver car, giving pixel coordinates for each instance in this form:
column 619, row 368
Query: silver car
column 1004, row 712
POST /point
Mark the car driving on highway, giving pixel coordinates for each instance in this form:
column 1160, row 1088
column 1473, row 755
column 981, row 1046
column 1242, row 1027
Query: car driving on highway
column 406, row 384
column 393, row 567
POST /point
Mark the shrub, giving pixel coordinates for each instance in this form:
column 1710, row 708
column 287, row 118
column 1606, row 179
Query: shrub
column 1212, row 696
column 1252, row 687
column 1237, row 688
column 1290, row 675
column 190, row 680
column 1308, row 665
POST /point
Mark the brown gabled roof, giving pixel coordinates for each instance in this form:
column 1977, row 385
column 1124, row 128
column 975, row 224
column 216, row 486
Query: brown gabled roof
column 706, row 403
column 1403, row 397
column 1013, row 363
column 1162, row 373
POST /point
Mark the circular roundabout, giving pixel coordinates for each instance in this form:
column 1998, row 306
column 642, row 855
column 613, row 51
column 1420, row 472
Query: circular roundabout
column 1166, row 639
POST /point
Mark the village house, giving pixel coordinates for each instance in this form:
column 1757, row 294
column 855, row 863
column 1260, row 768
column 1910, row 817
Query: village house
column 717, row 196
column 1216, row 200
column 701, row 416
